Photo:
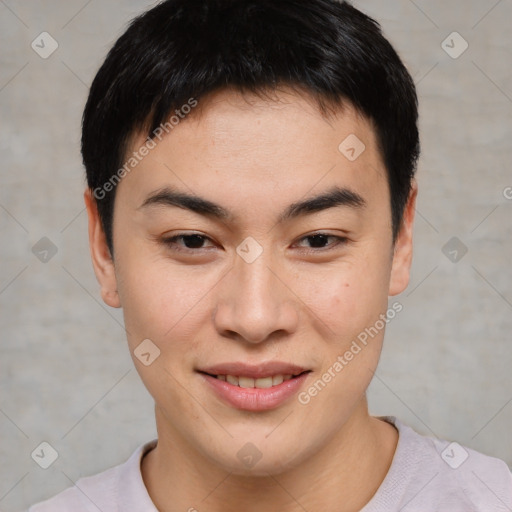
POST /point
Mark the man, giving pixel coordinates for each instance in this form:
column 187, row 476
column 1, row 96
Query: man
column 251, row 199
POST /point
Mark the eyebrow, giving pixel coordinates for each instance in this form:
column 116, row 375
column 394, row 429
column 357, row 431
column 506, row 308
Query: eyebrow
column 334, row 197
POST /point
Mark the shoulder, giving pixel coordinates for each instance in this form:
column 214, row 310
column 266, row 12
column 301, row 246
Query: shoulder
column 83, row 496
column 479, row 480
column 102, row 491
column 428, row 473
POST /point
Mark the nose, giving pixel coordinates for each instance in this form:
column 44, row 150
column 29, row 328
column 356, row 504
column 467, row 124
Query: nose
column 255, row 302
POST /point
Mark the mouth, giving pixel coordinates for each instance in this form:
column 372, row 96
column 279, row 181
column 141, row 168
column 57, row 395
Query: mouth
column 247, row 382
column 254, row 387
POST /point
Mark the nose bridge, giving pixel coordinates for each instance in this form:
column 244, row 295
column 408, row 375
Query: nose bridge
column 255, row 281
column 253, row 302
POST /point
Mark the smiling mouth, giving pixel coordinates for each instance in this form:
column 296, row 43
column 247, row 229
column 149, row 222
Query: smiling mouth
column 260, row 383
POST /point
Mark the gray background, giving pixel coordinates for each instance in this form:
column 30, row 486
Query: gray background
column 66, row 374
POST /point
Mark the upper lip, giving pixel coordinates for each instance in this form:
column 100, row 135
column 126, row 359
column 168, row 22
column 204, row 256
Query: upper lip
column 256, row 371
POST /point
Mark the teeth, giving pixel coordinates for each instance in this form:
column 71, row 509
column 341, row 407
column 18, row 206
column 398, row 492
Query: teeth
column 245, row 382
column 264, row 382
column 232, row 380
column 249, row 382
column 277, row 379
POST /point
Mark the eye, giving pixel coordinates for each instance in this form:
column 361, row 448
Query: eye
column 195, row 243
column 321, row 241
column 192, row 242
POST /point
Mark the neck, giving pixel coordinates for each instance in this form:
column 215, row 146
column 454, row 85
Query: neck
column 343, row 475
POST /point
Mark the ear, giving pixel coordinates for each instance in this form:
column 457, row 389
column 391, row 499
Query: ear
column 402, row 255
column 100, row 254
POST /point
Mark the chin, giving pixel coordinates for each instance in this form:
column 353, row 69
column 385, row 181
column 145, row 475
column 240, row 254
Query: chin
column 259, row 459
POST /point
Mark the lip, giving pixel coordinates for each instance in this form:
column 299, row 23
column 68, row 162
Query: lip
column 255, row 399
column 255, row 371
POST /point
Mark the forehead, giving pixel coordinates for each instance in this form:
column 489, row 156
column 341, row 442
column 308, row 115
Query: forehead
column 279, row 143
column 275, row 123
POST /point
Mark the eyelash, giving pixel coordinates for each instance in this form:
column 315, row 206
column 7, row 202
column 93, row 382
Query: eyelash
column 171, row 242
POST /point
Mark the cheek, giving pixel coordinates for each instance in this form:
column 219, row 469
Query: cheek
column 168, row 308
column 163, row 303
column 349, row 297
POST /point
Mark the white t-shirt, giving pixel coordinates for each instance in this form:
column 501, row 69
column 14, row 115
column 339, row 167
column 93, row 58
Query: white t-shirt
column 426, row 475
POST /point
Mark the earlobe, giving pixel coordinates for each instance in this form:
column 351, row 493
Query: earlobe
column 100, row 254
column 402, row 257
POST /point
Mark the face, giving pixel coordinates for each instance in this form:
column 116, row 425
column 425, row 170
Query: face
column 248, row 244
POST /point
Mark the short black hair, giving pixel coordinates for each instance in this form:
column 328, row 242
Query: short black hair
column 181, row 50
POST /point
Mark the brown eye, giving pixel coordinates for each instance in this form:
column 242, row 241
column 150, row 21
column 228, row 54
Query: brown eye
column 321, row 241
column 193, row 241
column 186, row 242
column 318, row 241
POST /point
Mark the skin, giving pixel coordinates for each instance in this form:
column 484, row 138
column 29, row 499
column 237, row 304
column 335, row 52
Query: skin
column 298, row 302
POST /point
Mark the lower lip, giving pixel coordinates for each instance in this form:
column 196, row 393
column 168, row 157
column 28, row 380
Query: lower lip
column 256, row 399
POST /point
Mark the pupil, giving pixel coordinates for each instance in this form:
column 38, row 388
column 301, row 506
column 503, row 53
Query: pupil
column 318, row 238
column 193, row 241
